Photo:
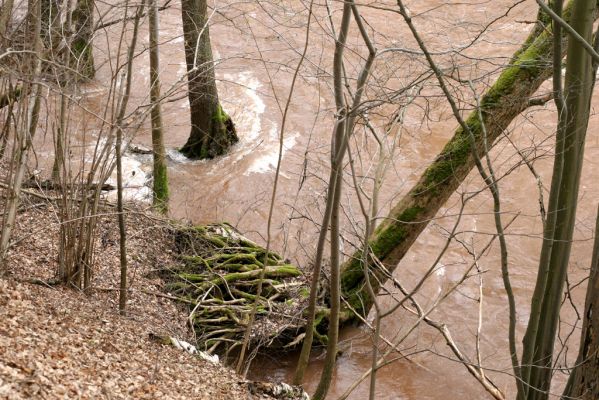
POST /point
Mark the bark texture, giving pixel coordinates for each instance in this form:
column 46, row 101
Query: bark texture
column 583, row 383
column 82, row 57
column 160, row 184
column 5, row 15
column 542, row 329
column 212, row 130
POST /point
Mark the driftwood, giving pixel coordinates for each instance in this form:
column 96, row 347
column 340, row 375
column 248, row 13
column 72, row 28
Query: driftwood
column 51, row 185
column 139, row 149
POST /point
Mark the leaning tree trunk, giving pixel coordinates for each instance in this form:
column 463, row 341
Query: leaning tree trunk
column 530, row 66
column 212, row 130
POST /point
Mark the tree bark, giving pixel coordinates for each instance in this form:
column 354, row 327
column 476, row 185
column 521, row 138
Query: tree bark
column 12, row 94
column 119, row 154
column 338, row 151
column 122, row 227
column 530, row 66
column 160, row 184
column 5, row 15
column 583, row 383
column 82, row 57
column 212, row 130
column 26, row 134
column 541, row 332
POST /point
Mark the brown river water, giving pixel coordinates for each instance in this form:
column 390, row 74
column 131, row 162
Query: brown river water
column 258, row 45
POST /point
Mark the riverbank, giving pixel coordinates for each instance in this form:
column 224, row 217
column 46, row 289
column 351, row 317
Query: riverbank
column 59, row 342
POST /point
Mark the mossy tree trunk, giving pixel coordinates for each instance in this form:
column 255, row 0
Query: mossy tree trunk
column 5, row 16
column 530, row 66
column 160, row 184
column 13, row 93
column 82, row 57
column 212, row 130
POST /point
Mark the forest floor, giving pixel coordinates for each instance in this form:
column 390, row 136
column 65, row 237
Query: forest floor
column 59, row 342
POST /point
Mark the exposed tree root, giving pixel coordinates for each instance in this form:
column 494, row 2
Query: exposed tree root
column 219, row 275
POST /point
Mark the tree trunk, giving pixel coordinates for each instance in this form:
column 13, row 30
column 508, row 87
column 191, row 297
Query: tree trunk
column 583, row 383
column 82, row 57
column 119, row 154
column 160, row 185
column 122, row 228
column 338, row 151
column 504, row 101
column 541, row 332
column 13, row 93
column 25, row 134
column 212, row 130
column 5, row 16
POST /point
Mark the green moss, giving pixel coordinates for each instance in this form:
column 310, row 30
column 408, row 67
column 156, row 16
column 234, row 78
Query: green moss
column 216, row 241
column 359, row 300
column 454, row 155
column 215, row 135
column 220, row 258
column 160, row 188
column 243, row 258
column 220, row 115
column 319, row 324
column 410, row 214
column 200, row 229
column 457, row 151
column 386, row 238
column 389, row 235
column 203, row 153
column 83, row 58
column 237, row 267
column 284, row 270
column 195, row 261
column 351, row 275
column 192, row 277
column 353, row 281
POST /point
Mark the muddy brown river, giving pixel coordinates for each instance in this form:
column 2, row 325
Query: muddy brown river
column 258, row 45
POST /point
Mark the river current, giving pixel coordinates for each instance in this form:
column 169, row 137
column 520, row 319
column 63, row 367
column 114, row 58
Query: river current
column 257, row 45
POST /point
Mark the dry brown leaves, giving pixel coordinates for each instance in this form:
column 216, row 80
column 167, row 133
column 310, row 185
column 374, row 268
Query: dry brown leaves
column 59, row 343
column 55, row 343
